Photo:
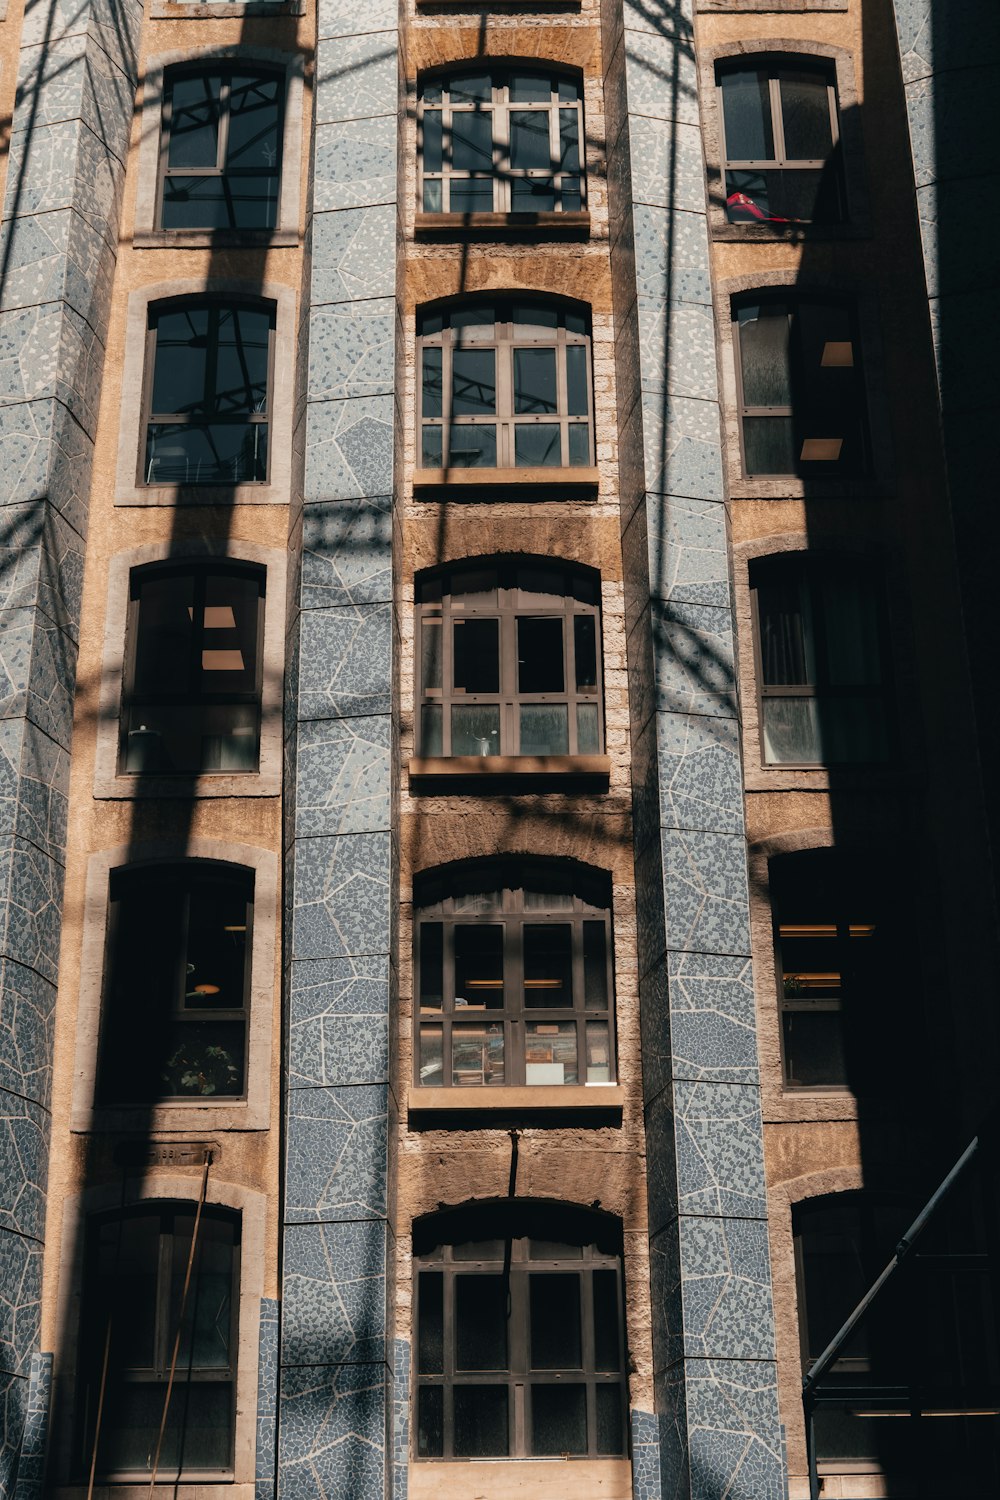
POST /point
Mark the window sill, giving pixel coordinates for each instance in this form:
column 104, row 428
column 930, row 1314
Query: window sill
column 191, row 10
column 595, row 1103
column 208, row 784
column 479, row 479
column 493, row 772
column 789, row 233
column 214, row 239
column 179, row 1115
column 532, row 1478
column 491, row 224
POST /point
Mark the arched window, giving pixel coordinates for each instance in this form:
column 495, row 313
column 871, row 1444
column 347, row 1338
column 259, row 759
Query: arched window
column 509, row 659
column 781, row 134
column 501, row 139
column 137, row 1322
column 208, row 383
column 177, row 984
column 221, row 146
column 800, row 386
column 505, row 384
column 520, row 1334
column 192, row 691
column 820, row 675
column 514, row 976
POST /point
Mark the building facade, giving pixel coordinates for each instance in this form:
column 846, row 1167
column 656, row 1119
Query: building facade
column 499, row 912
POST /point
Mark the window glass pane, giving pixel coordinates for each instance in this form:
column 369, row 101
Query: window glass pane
column 163, row 661
column 770, row 446
column 430, row 448
column 805, row 114
column 579, row 444
column 254, row 114
column 529, row 88
column 206, row 453
column 481, row 1250
column 475, row 587
column 607, row 1354
column 470, row 88
column 569, row 91
column 480, row 1421
column 431, row 965
column 430, row 1421
column 851, row 627
column 529, row 140
column 569, row 140
column 555, row 1321
column 813, row 1045
column 480, row 1323
column 431, row 633
column 198, row 1432
column 540, row 586
column 432, row 195
column 475, row 729
column 800, row 196
column 540, row 654
column 473, row 383
column 216, row 946
column 535, row 381
column 206, row 1332
column 432, row 93
column 610, row 1436
column 572, row 197
column 179, row 370
column 432, row 140
column 203, row 1059
column 595, row 966
column 477, row 1055
column 585, row 649
column 544, row 729
column 764, row 354
column 548, row 964
column 473, row 447
column 478, row 967
column 431, row 1056
column 478, row 901
column 588, row 729
column 575, row 322
column 430, row 1339
column 476, row 647
column 127, row 1253
column 532, row 195
column 746, row 111
column 558, row 1419
column 550, row 1052
column 537, row 445
column 578, row 394
column 229, row 634
column 598, row 1053
column 470, row 195
column 535, row 315
column 241, row 360
column 791, row 731
column 787, row 636
column 431, row 382
column 852, row 729
column 471, row 141
column 194, row 122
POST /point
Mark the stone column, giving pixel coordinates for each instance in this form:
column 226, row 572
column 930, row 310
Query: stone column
column 336, row 1361
column 713, row 1329
column 77, row 78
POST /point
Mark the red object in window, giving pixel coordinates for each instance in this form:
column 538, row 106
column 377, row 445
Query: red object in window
column 741, row 201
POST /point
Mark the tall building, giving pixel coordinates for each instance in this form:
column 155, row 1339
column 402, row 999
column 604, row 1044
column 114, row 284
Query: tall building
column 498, row 904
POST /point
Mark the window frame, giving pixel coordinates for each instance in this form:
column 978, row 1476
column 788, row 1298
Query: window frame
column 507, row 612
column 216, row 302
column 504, row 420
column 165, row 1209
column 512, row 916
column 502, row 174
column 224, row 66
column 200, row 569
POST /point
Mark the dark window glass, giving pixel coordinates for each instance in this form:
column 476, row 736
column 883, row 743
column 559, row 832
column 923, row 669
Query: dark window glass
column 193, row 682
column 221, row 149
column 134, row 1308
column 781, row 143
column 177, row 984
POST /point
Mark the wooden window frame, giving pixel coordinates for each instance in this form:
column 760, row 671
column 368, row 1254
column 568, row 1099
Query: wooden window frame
column 519, row 1379
column 442, row 614
column 167, row 1211
column 499, row 108
column 512, row 916
column 504, row 336
column 199, row 570
column 773, row 63
column 223, row 68
column 216, row 304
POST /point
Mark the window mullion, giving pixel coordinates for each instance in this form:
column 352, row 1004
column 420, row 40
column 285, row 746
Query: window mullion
column 505, row 397
column 777, row 120
column 513, row 996
column 222, row 145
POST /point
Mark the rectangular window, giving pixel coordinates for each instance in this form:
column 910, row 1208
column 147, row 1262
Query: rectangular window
column 221, row 148
column 781, row 142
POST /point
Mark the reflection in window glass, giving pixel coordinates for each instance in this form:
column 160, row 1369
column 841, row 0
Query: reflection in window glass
column 222, row 140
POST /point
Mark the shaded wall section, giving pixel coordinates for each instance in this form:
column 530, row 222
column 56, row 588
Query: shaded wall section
column 336, row 1358
column 713, row 1326
column 73, row 112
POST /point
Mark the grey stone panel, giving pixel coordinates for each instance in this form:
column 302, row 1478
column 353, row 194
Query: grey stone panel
column 27, row 1004
column 34, row 787
column 733, row 1429
column 675, row 1473
column 20, row 1300
column 343, row 776
column 967, row 376
column 347, row 552
column 699, row 773
column 645, row 786
column 720, row 1159
column 941, row 205
column 334, row 1299
column 57, row 255
column 649, row 903
column 74, row 78
column 355, row 163
column 115, row 25
column 677, row 345
column 628, row 371
column 726, row 1288
column 705, row 884
column 267, row 1399
column 662, row 1166
column 945, row 115
column 925, row 47
column 355, row 76
column 332, row 1434
column 657, row 1047
column 693, row 659
column 13, row 1410
column 338, row 1021
column 347, row 18
column 41, row 563
column 661, row 74
column 23, row 1164
column 37, row 672
column 400, row 1430
column 45, row 453
column 671, row 256
column 45, row 169
column 713, row 1023
column 687, row 551
column 683, row 452
column 341, row 896
column 671, row 19
column 665, row 1295
column 351, row 349
column 31, row 1468
column 49, row 350
column 349, row 448
column 344, row 663
column 667, row 168
column 645, row 1457
column 30, row 907
column 354, row 254
column 336, row 1154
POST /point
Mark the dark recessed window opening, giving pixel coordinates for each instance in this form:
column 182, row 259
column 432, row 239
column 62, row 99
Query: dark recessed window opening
column 221, row 148
column 503, row 140
column 820, row 675
column 801, row 390
column 209, row 374
column 509, row 661
column 520, row 1350
column 177, row 984
column 505, row 385
column 781, row 142
column 514, row 981
column 192, row 692
column 133, row 1312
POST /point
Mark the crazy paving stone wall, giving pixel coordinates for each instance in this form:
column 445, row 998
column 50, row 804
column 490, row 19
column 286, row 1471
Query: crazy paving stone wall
column 336, row 1363
column 713, row 1330
column 77, row 77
